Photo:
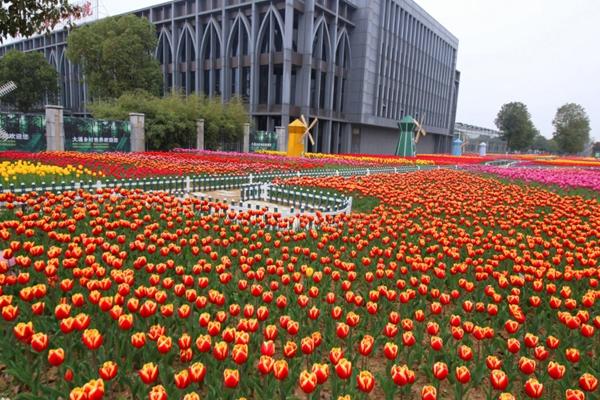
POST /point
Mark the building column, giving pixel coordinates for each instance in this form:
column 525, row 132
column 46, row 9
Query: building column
column 200, row 134
column 138, row 132
column 55, row 135
column 281, row 138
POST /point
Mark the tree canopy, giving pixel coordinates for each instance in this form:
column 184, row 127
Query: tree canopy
column 571, row 128
column 540, row 143
column 34, row 76
column 28, row 17
column 517, row 128
column 171, row 120
column 117, row 56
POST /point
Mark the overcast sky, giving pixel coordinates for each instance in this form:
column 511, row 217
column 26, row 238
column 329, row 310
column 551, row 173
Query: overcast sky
column 543, row 53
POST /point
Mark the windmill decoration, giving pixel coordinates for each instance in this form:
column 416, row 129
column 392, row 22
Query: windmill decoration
column 6, row 89
column 308, row 129
column 411, row 131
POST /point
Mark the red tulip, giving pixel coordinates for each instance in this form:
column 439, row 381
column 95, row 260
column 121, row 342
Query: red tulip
column 267, row 348
column 365, row 381
column 462, row 374
column 513, row 345
column 108, row 370
column 157, row 393
column 220, row 351
column 402, row 375
column 390, row 350
column 493, row 362
column 343, row 369
column 197, row 372
column 265, row 364
column 307, row 381
column 498, row 379
column 92, row 339
column 465, row 352
column 182, row 379
column 556, row 370
column 164, row 344
column 239, row 353
column 56, row 356
column 527, row 365
column 574, row 394
column 148, row 373
column 342, row 330
column 94, row 389
column 322, row 372
column 572, row 355
column 440, row 370
column 366, row 345
column 533, row 388
column 588, row 382
column 138, row 340
column 280, row 369
column 428, row 393
column 335, row 354
column 231, row 377
column 39, row 342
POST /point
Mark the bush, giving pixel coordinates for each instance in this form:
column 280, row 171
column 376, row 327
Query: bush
column 171, row 120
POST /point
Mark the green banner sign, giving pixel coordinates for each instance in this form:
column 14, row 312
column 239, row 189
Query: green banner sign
column 262, row 140
column 24, row 132
column 92, row 135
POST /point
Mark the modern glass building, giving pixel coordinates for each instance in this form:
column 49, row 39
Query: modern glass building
column 358, row 66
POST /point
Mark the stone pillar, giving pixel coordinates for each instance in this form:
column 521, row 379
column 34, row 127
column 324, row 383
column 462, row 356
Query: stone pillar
column 246, row 143
column 200, row 134
column 281, row 138
column 138, row 132
column 55, row 135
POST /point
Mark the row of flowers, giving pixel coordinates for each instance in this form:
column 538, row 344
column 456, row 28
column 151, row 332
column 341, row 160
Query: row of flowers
column 26, row 171
column 456, row 286
column 150, row 164
column 562, row 177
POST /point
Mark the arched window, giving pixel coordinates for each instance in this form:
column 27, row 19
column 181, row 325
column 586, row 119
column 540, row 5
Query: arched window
column 270, row 74
column 342, row 63
column 321, row 50
column 186, row 58
column 164, row 55
column 65, row 81
column 209, row 57
column 238, row 49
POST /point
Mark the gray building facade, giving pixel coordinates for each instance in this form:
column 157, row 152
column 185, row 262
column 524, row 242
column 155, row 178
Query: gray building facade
column 358, row 66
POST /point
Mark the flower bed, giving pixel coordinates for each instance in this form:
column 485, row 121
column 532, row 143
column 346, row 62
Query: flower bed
column 562, row 177
column 455, row 286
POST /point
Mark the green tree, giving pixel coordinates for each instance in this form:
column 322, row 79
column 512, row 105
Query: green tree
column 117, row 56
column 596, row 149
column 171, row 120
column 517, row 128
column 540, row 143
column 27, row 17
column 572, row 128
column 34, row 76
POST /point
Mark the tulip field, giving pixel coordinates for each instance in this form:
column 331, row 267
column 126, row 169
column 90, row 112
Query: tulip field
column 456, row 285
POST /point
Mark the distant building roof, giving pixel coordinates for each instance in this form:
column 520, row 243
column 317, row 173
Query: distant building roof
column 476, row 130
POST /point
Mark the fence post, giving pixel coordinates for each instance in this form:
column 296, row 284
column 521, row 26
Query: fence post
column 246, row 143
column 188, row 184
column 55, row 134
column 138, row 132
column 200, row 134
